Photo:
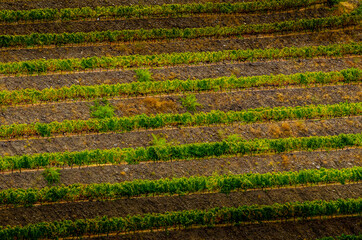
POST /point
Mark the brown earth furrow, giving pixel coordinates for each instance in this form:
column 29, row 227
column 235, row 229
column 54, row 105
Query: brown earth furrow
column 174, row 22
column 190, row 45
column 294, row 161
column 183, row 72
column 76, row 142
column 124, row 207
column 235, row 100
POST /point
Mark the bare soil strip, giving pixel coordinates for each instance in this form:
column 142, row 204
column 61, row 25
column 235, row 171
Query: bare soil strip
column 294, row 161
column 236, row 100
column 124, row 207
column 150, row 23
column 183, row 72
column 184, row 135
column 190, row 45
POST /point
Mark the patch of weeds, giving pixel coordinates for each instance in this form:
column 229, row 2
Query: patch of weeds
column 234, row 138
column 143, row 75
column 190, row 102
column 51, row 175
column 102, row 109
column 158, row 140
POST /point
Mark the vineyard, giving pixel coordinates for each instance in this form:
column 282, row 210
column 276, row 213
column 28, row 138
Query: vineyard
column 182, row 119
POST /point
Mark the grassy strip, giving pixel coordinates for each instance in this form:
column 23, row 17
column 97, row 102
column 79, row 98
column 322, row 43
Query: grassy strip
column 143, row 121
column 178, row 152
column 26, row 96
column 138, row 11
column 211, row 217
column 317, row 24
column 124, row 62
column 224, row 184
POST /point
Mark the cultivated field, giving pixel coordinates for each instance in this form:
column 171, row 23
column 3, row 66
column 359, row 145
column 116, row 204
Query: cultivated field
column 182, row 119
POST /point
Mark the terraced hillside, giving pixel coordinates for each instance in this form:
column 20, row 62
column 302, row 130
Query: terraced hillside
column 183, row 119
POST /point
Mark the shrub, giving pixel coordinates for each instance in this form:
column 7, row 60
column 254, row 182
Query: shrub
column 143, row 75
column 102, row 109
column 190, row 102
column 51, row 175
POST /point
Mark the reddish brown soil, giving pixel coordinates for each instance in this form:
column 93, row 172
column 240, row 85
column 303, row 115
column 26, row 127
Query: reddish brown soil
column 225, row 101
column 182, row 136
column 300, row 230
column 30, row 4
column 295, row 161
column 150, row 23
column 124, row 207
column 183, row 72
column 189, row 45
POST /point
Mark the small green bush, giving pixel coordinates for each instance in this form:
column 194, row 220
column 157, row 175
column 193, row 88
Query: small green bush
column 190, row 102
column 102, row 109
column 158, row 141
column 143, row 75
column 51, row 175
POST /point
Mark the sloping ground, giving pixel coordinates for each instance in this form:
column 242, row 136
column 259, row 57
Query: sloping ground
column 291, row 96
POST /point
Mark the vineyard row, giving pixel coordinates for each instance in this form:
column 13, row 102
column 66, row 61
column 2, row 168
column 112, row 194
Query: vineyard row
column 198, row 184
column 143, row 121
column 27, row 96
column 133, row 61
column 178, row 152
column 211, row 217
column 44, row 39
column 141, row 11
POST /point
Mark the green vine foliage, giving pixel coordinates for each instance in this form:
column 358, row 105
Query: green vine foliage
column 30, row 96
column 36, row 39
column 190, row 103
column 216, row 183
column 136, row 61
column 138, row 11
column 102, row 109
column 179, row 152
column 215, row 216
column 143, row 121
column 51, row 175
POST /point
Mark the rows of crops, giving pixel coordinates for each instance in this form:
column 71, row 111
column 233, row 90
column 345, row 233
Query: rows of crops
column 180, row 152
column 187, row 119
column 318, row 24
column 138, row 188
column 138, row 11
column 26, row 96
column 124, row 62
column 211, row 164
column 185, row 219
